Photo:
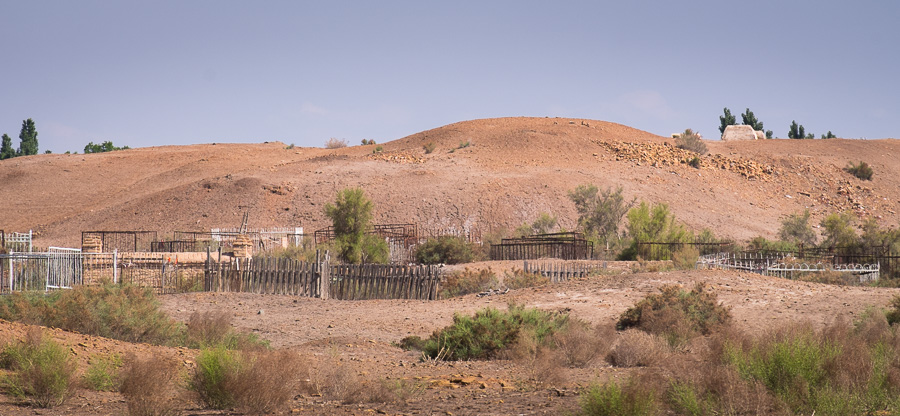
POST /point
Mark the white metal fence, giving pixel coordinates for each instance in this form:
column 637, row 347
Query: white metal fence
column 779, row 266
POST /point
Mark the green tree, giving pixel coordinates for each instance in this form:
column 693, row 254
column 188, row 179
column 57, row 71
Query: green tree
column 796, row 229
column 798, row 132
column 106, row 146
column 6, row 149
column 351, row 215
column 838, row 231
column 600, row 212
column 653, row 224
column 28, row 139
column 727, row 120
column 749, row 119
column 830, row 135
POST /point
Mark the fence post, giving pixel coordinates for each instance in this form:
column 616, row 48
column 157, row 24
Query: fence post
column 11, row 279
column 115, row 266
column 30, row 239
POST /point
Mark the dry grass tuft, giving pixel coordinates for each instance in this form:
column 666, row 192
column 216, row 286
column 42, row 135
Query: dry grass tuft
column 580, row 344
column 150, row 386
column 544, row 365
column 638, row 349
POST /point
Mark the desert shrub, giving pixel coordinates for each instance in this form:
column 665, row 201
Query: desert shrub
column 214, row 328
column 685, row 257
column 519, row 279
column 690, row 141
column 150, row 386
column 862, row 170
column 543, row 224
column 378, row 149
column 653, row 224
column 838, row 231
column 631, row 398
column 463, row 145
column 579, row 344
column 102, row 373
column 543, row 364
column 491, row 331
column 42, row 370
column 830, row 277
column 335, row 143
column 600, row 212
column 694, row 162
column 334, row 379
column 637, row 349
column 124, row 312
column 677, row 314
column 763, row 245
column 468, row 281
column 429, row 147
column 351, row 215
column 893, row 312
column 445, row 249
column 795, row 229
column 260, row 382
column 412, row 342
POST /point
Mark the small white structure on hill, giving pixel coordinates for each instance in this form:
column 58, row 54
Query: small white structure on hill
column 741, row 132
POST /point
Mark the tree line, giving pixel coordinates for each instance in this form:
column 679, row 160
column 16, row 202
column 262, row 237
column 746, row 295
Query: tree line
column 28, row 143
column 796, row 131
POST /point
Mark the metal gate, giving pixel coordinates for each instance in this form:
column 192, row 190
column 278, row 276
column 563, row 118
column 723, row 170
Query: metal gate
column 64, row 269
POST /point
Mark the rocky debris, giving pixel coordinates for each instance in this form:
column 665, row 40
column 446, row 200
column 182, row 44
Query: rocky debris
column 396, row 157
column 666, row 155
column 279, row 189
column 493, row 292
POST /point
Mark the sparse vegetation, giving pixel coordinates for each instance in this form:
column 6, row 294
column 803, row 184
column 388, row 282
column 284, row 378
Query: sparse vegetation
column 543, row 224
column 124, row 312
column 42, row 370
column 676, row 314
column 104, row 147
column 491, row 331
column 829, row 135
column 862, row 170
column 335, row 143
column 656, row 224
column 429, row 147
column 214, row 329
column 468, row 281
column 519, row 279
column 631, row 398
column 600, row 212
column 691, row 141
column 694, row 162
column 150, row 386
column 103, row 372
column 378, row 149
column 445, row 249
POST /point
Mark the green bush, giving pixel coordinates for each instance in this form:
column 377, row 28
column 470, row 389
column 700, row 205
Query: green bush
column 893, row 314
column 124, row 312
column 676, row 314
column 862, row 171
column 491, row 331
column 103, row 372
column 351, row 215
column 653, row 224
column 600, row 212
column 694, row 162
column 686, row 257
column 468, row 281
column 42, row 370
column 612, row 399
column 764, row 245
column 445, row 249
column 795, row 229
column 218, row 371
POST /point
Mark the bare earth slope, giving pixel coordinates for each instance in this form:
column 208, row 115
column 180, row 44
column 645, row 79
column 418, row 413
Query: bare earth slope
column 513, row 169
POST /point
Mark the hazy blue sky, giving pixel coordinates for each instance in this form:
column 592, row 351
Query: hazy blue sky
column 180, row 72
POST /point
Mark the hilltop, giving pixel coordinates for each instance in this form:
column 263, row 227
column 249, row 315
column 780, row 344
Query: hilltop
column 512, row 170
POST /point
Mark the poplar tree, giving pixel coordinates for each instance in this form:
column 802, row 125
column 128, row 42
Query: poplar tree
column 6, row 149
column 28, row 139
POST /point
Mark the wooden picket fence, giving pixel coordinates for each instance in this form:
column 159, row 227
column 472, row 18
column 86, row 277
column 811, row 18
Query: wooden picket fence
column 560, row 271
column 323, row 280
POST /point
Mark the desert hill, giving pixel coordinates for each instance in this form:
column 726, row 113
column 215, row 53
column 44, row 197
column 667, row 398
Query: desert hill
column 512, row 170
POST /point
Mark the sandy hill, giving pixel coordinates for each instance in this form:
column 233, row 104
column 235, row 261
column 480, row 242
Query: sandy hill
column 512, row 170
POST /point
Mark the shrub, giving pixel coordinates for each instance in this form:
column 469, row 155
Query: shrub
column 124, row 312
column 637, row 349
column 42, row 369
column 519, row 279
column 491, row 331
column 795, row 229
column 690, row 141
column 600, row 212
column 838, row 231
column 463, row 145
column 893, row 313
column 763, row 245
column 542, row 363
column 150, row 386
column 103, row 372
column 862, row 170
column 685, row 257
column 215, row 378
column 694, row 162
column 612, row 399
column 351, row 215
column 429, row 147
column 656, row 224
column 378, row 149
column 580, row 344
column 543, row 224
column 676, row 314
column 468, row 281
column 335, row 143
column 214, row 328
column 445, row 249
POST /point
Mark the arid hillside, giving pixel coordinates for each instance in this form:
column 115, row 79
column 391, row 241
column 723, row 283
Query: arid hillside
column 512, row 170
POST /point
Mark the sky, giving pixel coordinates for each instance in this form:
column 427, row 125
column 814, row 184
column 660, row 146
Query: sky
column 183, row 72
